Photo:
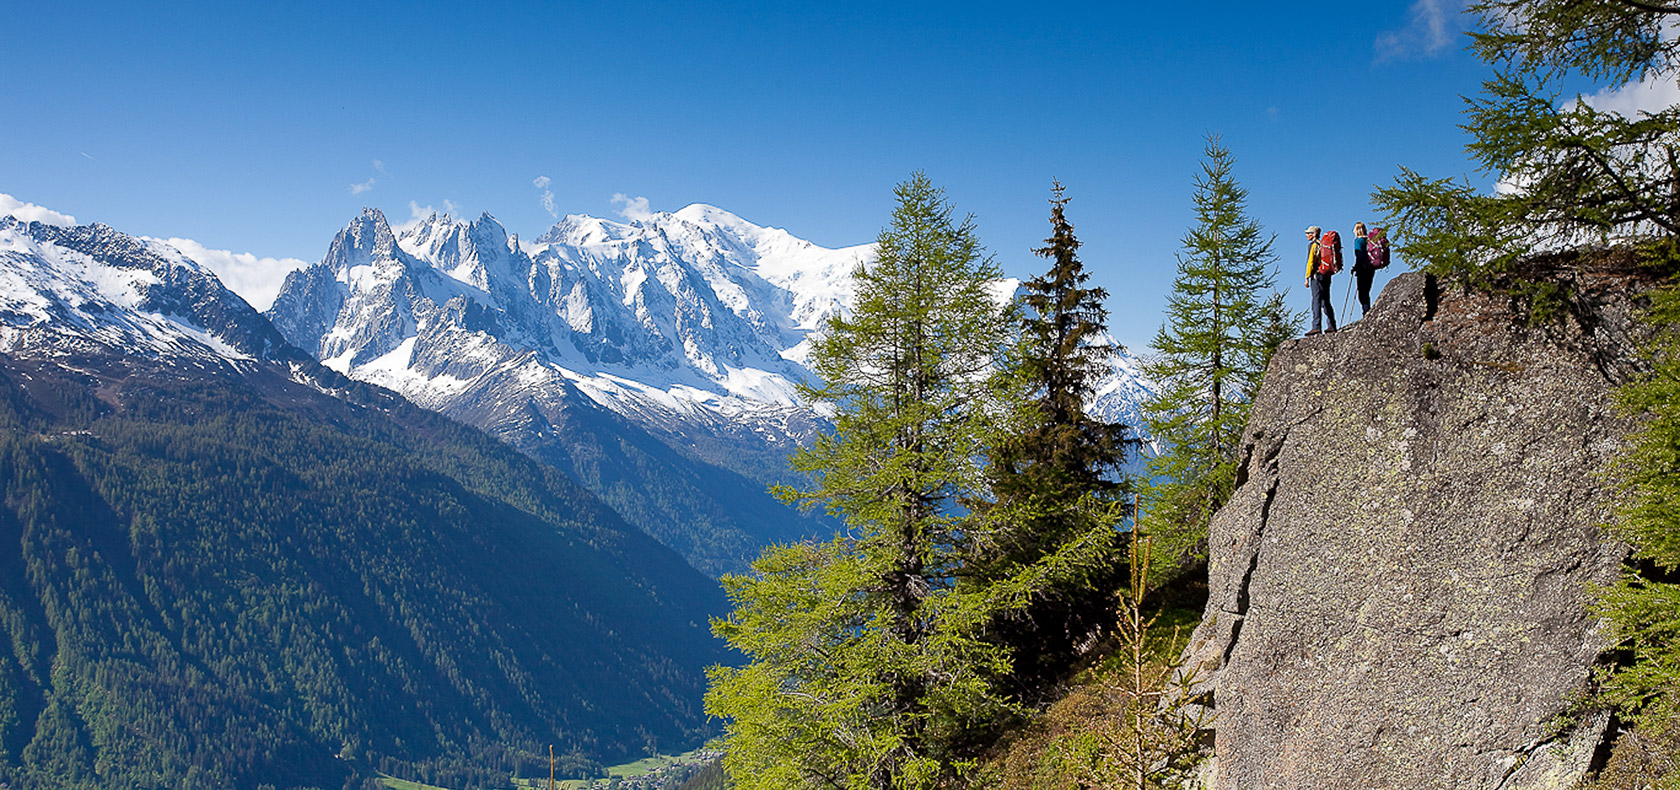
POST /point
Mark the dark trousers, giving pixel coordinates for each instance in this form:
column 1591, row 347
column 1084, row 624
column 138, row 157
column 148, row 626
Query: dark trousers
column 1321, row 301
column 1363, row 278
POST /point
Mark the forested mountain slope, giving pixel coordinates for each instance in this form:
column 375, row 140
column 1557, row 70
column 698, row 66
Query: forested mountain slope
column 222, row 565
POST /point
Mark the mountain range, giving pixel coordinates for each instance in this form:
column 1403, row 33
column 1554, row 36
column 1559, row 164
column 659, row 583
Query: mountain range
column 657, row 360
column 246, row 549
column 224, row 564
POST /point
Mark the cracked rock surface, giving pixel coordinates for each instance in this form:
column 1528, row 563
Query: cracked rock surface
column 1399, row 586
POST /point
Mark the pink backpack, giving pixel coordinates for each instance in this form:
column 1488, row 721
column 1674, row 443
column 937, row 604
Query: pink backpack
column 1376, row 246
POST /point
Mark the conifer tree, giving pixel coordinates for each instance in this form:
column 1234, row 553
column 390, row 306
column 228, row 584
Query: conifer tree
column 1644, row 607
column 1573, row 174
column 867, row 662
column 1059, row 467
column 1223, row 323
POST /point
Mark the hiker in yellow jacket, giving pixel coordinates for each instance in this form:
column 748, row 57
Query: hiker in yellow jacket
column 1319, row 274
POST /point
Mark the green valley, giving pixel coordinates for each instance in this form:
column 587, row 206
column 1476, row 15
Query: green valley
column 231, row 579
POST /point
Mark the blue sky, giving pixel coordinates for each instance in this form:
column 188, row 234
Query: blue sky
column 265, row 128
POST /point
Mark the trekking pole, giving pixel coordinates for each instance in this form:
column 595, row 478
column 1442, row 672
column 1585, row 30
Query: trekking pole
column 1345, row 300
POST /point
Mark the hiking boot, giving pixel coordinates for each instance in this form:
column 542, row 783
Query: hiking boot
column 1312, row 332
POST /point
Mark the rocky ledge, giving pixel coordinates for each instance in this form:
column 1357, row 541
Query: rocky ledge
column 1400, row 586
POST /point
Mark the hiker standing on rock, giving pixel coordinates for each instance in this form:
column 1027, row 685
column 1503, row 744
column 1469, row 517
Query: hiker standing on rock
column 1324, row 259
column 1363, row 271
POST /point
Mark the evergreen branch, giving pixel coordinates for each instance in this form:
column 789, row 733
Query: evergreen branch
column 1650, row 7
column 1621, row 185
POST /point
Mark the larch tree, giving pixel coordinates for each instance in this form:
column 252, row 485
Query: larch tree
column 1570, row 172
column 1224, row 321
column 868, row 665
column 1643, row 608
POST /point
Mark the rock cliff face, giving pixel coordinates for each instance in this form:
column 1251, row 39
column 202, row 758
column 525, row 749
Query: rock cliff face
column 1399, row 586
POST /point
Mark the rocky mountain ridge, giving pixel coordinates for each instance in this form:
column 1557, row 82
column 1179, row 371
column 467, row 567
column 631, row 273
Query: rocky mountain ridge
column 89, row 284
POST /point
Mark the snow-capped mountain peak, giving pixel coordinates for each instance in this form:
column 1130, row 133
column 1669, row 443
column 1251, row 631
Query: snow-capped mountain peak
column 582, row 229
column 712, row 216
column 480, row 253
column 696, row 312
column 367, row 238
column 70, row 288
column 663, row 318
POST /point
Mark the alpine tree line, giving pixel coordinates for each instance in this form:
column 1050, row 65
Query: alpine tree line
column 985, row 513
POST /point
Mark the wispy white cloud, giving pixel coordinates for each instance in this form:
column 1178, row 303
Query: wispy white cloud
column 256, row 280
column 379, row 167
column 1431, row 27
column 450, row 208
column 417, row 214
column 1654, row 93
column 547, row 197
column 29, row 212
column 634, row 209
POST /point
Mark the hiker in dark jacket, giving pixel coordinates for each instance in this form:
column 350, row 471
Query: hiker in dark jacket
column 1318, row 279
column 1363, row 271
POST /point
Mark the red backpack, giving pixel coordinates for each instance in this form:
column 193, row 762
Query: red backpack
column 1330, row 253
column 1376, row 246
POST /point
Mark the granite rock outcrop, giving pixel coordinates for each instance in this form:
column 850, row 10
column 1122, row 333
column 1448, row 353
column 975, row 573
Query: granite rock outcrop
column 1400, row 587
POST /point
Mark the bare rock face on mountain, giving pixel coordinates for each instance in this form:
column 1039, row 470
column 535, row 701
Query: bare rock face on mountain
column 1400, row 585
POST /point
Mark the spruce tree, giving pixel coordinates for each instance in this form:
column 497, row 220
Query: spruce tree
column 868, row 666
column 1059, row 468
column 1223, row 323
